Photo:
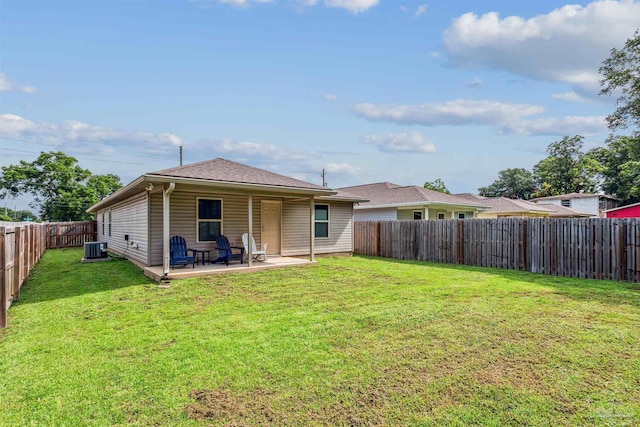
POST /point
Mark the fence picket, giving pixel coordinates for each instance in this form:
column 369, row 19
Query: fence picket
column 589, row 248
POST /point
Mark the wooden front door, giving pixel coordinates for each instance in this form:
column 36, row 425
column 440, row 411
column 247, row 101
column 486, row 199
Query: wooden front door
column 271, row 225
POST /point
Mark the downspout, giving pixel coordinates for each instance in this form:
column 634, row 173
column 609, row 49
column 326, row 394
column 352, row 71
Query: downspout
column 166, row 231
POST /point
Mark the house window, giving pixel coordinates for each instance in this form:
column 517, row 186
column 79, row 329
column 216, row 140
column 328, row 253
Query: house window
column 103, row 223
column 417, row 215
column 321, row 221
column 461, row 215
column 440, row 215
column 109, row 222
column 566, row 203
column 209, row 219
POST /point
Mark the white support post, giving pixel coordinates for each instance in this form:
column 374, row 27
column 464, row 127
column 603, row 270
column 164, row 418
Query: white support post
column 166, row 228
column 426, row 212
column 250, row 237
column 453, row 214
column 312, row 208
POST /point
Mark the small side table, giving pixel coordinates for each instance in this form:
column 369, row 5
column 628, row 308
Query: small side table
column 204, row 255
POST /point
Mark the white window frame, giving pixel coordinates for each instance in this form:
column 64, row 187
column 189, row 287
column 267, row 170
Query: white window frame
column 421, row 215
column 316, row 220
column 102, row 223
column 443, row 213
column 198, row 220
column 565, row 203
column 462, row 215
column 110, row 222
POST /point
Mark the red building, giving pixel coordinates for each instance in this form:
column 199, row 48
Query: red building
column 629, row 211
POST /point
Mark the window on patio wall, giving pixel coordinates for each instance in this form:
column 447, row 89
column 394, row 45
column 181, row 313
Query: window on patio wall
column 321, row 221
column 209, row 219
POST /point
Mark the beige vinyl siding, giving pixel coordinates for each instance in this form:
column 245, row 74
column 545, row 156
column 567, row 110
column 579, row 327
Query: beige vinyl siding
column 379, row 214
column 183, row 219
column 127, row 217
column 296, row 228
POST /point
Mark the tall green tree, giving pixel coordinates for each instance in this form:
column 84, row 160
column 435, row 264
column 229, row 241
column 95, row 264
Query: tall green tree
column 514, row 183
column 567, row 168
column 621, row 167
column 621, row 76
column 437, row 185
column 61, row 189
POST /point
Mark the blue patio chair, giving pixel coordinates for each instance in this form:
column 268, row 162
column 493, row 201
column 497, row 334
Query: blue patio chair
column 180, row 253
column 225, row 251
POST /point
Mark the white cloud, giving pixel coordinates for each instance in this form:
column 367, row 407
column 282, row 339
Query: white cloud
column 82, row 137
column 353, row 6
column 244, row 2
column 457, row 112
column 571, row 125
column 421, row 10
column 566, row 45
column 434, row 55
column 570, row 96
column 6, row 85
column 331, row 96
column 404, row 142
column 475, row 83
column 342, row 169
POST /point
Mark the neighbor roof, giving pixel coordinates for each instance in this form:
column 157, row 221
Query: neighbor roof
column 218, row 173
column 389, row 194
column 623, row 207
column 502, row 204
column 573, row 196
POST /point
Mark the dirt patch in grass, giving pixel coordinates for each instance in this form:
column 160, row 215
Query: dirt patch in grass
column 354, row 406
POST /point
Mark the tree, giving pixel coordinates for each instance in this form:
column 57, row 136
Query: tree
column 621, row 167
column 515, row 183
column 567, row 169
column 20, row 215
column 437, row 185
column 621, row 75
column 61, row 189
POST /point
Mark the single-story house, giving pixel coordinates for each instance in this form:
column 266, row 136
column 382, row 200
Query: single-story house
column 502, row 207
column 203, row 200
column 594, row 204
column 629, row 211
column 387, row 201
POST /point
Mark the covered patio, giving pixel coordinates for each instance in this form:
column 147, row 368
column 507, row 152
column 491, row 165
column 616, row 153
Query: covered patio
column 157, row 273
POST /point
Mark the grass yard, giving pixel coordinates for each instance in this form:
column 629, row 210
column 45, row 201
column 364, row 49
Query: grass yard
column 353, row 341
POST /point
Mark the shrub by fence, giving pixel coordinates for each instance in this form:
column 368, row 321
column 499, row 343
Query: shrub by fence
column 595, row 248
column 22, row 245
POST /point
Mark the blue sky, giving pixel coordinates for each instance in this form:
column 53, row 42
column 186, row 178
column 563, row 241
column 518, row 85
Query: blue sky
column 371, row 90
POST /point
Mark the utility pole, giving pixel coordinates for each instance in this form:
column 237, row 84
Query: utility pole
column 324, row 175
column 181, row 155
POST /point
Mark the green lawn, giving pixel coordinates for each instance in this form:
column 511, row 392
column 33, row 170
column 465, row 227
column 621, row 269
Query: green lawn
column 352, row 341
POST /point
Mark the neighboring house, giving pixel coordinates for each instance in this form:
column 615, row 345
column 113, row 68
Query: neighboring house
column 203, row 200
column 594, row 204
column 502, row 207
column 389, row 201
column 629, row 211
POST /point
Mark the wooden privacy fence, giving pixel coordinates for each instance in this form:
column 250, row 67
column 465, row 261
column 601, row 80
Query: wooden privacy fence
column 71, row 234
column 594, row 248
column 21, row 246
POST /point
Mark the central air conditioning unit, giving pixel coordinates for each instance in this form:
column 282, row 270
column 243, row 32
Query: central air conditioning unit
column 95, row 250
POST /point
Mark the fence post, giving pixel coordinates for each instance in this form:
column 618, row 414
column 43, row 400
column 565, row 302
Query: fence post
column 17, row 264
column 377, row 237
column 3, row 280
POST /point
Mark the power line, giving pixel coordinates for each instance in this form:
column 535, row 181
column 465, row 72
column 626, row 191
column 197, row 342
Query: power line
column 77, row 157
column 81, row 140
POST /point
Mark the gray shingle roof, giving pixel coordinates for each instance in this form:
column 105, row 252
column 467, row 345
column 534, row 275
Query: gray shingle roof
column 386, row 193
column 561, row 211
column 502, row 204
column 222, row 170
